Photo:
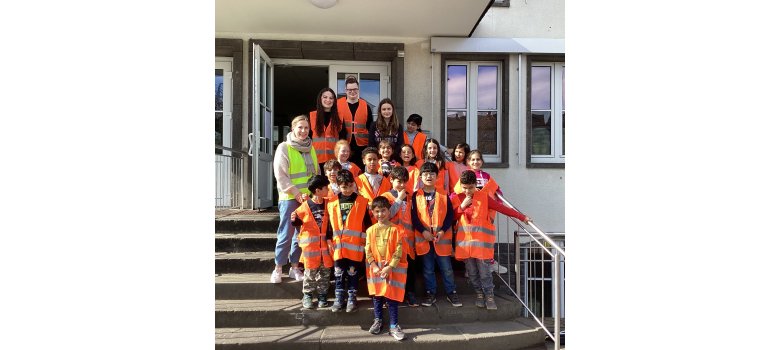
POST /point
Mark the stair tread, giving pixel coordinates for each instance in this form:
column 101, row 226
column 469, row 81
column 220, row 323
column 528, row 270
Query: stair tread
column 244, row 255
column 229, row 305
column 356, row 334
column 244, row 235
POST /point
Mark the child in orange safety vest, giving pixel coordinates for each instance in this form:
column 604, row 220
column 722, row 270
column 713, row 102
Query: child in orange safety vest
column 385, row 267
column 349, row 219
column 315, row 240
column 476, row 235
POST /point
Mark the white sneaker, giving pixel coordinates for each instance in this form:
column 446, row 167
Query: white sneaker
column 296, row 274
column 495, row 267
column 276, row 276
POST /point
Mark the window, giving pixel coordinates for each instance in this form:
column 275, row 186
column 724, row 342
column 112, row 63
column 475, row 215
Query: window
column 501, row 3
column 473, row 107
column 547, row 121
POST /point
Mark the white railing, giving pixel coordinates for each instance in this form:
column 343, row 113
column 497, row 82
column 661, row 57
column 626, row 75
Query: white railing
column 536, row 270
column 229, row 177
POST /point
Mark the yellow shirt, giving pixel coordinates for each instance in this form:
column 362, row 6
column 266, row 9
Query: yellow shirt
column 382, row 236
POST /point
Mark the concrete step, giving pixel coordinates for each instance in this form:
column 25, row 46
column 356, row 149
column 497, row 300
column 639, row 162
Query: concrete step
column 493, row 335
column 265, row 222
column 244, row 242
column 244, row 262
column 237, row 286
column 288, row 312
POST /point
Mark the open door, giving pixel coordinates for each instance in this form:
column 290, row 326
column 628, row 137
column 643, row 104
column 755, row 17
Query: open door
column 261, row 138
column 373, row 77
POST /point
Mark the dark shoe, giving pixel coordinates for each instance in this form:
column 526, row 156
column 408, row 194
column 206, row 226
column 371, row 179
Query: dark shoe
column 376, row 328
column 307, row 302
column 429, row 299
column 454, row 300
column 411, row 300
column 322, row 301
column 397, row 333
column 338, row 304
column 480, row 302
column 490, row 302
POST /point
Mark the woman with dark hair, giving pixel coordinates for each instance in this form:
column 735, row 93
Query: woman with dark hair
column 386, row 127
column 326, row 126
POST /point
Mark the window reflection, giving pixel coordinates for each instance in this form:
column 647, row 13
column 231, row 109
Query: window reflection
column 487, row 87
column 540, row 88
column 487, row 132
column 456, row 127
column 541, row 125
column 456, row 86
column 218, row 107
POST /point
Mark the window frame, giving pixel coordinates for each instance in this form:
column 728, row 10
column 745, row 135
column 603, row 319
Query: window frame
column 556, row 160
column 502, row 94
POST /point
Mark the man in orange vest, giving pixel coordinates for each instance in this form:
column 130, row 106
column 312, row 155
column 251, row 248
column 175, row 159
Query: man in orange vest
column 355, row 113
column 349, row 219
column 432, row 221
column 476, row 235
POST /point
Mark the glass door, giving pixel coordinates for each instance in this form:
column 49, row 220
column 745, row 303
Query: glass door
column 261, row 138
column 374, row 81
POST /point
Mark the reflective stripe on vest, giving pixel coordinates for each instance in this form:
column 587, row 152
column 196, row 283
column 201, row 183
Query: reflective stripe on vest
column 311, row 239
column 393, row 287
column 404, row 219
column 356, row 126
column 435, row 222
column 348, row 238
column 476, row 234
column 325, row 143
column 297, row 171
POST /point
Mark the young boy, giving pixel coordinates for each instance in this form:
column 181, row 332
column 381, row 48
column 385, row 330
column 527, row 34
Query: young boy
column 475, row 238
column 432, row 217
column 315, row 241
column 349, row 218
column 332, row 168
column 401, row 215
column 412, row 135
column 385, row 267
column 371, row 183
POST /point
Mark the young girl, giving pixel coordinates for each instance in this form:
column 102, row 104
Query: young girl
column 458, row 165
column 387, row 161
column 433, row 155
column 387, row 127
column 484, row 181
column 332, row 168
column 409, row 161
column 343, row 152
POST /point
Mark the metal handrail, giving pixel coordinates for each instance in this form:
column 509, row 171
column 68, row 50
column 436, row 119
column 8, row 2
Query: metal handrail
column 556, row 254
column 242, row 152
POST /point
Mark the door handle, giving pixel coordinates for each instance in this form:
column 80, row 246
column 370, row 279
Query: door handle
column 251, row 143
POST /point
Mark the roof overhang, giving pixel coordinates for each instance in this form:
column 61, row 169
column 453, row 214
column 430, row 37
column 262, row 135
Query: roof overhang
column 355, row 18
column 497, row 45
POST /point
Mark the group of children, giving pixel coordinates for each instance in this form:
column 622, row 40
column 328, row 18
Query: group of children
column 397, row 211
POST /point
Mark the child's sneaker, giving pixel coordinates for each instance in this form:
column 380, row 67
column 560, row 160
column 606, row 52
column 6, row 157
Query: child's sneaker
column 376, row 328
column 351, row 304
column 490, row 302
column 276, row 276
column 397, row 332
column 429, row 299
column 307, row 302
column 322, row 301
column 296, row 274
column 454, row 300
column 495, row 267
column 480, row 302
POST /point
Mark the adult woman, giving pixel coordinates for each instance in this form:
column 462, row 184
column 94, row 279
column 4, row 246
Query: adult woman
column 326, row 127
column 386, row 127
column 294, row 163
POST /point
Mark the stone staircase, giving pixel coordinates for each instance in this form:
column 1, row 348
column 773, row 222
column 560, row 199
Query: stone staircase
column 252, row 313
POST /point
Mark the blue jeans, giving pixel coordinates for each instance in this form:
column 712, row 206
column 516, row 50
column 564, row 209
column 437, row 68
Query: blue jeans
column 480, row 275
column 445, row 268
column 392, row 308
column 286, row 234
column 346, row 273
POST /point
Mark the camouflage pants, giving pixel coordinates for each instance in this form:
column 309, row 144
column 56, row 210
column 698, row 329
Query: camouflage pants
column 318, row 279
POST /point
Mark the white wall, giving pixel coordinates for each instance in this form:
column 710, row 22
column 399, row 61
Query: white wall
column 524, row 19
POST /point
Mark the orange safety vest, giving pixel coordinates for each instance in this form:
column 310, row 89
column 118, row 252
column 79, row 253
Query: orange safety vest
column 356, row 126
column 403, row 218
column 442, row 179
column 455, row 169
column 444, row 246
column 325, row 143
column 414, row 178
column 394, row 286
column 365, row 190
column 476, row 233
column 354, row 169
column 311, row 239
column 491, row 187
column 349, row 240
column 417, row 144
